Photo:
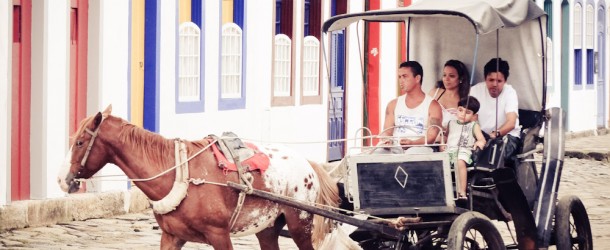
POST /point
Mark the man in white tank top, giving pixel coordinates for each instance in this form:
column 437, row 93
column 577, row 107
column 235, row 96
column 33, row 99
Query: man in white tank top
column 414, row 117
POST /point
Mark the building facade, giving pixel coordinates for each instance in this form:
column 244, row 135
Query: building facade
column 261, row 69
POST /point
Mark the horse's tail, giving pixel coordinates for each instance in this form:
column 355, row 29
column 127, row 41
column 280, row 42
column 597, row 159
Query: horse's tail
column 329, row 195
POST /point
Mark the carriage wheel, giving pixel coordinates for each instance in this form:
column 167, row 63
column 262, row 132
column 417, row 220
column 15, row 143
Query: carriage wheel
column 572, row 227
column 473, row 230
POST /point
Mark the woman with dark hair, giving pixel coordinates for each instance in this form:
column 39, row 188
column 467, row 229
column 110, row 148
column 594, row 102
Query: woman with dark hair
column 454, row 86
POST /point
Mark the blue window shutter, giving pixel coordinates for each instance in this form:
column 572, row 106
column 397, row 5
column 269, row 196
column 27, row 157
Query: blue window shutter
column 151, row 66
column 578, row 66
column 196, row 12
column 306, row 18
column 238, row 13
column 278, row 17
column 590, row 66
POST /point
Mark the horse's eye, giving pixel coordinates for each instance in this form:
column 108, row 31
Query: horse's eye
column 79, row 143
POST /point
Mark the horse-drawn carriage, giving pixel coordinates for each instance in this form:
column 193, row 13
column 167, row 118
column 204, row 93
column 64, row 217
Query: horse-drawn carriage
column 418, row 187
column 424, row 186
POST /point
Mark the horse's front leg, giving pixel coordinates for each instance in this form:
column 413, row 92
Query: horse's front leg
column 219, row 239
column 170, row 242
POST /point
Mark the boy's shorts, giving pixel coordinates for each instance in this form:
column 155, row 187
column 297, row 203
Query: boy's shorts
column 465, row 154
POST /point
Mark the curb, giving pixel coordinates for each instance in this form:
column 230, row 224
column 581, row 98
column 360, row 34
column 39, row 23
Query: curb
column 603, row 156
column 35, row 213
column 589, row 155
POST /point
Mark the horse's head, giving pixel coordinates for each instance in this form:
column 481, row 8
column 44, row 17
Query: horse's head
column 84, row 159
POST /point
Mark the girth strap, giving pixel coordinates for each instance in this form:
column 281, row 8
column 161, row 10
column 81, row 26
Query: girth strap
column 229, row 144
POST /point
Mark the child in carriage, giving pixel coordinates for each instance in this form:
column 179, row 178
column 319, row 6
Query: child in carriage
column 464, row 135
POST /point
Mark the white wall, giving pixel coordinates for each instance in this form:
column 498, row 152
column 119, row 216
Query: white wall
column 390, row 60
column 49, row 127
column 48, row 94
column 5, row 99
column 583, row 100
column 108, row 78
column 354, row 86
column 259, row 121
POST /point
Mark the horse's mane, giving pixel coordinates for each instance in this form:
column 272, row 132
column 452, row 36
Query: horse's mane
column 155, row 148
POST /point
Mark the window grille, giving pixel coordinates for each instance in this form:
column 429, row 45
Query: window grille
column 578, row 44
column 188, row 75
column 311, row 66
column 282, row 67
column 231, row 62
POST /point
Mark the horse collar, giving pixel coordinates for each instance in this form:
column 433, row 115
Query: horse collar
column 181, row 182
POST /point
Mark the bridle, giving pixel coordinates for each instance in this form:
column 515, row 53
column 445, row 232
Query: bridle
column 93, row 136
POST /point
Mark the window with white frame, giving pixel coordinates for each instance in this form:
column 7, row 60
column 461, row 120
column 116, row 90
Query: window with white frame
column 311, row 66
column 231, row 62
column 578, row 44
column 282, row 65
column 188, row 75
column 589, row 36
column 283, row 86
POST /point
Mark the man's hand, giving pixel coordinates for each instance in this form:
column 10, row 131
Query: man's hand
column 495, row 134
column 406, row 142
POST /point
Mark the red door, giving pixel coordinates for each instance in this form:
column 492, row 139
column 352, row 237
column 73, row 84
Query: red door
column 21, row 95
column 78, row 62
column 78, row 66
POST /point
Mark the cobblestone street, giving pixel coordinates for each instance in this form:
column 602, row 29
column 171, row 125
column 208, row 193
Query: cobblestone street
column 585, row 178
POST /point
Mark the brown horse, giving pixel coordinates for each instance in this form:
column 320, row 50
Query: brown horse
column 204, row 214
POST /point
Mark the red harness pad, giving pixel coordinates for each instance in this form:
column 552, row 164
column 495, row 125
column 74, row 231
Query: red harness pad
column 258, row 161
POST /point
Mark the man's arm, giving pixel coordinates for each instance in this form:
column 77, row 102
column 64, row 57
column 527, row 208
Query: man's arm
column 511, row 109
column 508, row 126
column 389, row 119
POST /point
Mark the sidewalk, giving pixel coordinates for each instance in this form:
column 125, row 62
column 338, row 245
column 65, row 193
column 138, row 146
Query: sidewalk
column 74, row 207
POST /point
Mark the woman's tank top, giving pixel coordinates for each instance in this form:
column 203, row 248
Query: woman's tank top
column 448, row 114
column 411, row 122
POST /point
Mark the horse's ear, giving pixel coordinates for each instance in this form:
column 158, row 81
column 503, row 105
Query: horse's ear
column 107, row 111
column 98, row 119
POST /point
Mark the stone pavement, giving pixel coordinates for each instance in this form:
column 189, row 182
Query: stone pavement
column 586, row 178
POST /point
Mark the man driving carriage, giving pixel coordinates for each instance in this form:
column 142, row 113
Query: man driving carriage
column 498, row 115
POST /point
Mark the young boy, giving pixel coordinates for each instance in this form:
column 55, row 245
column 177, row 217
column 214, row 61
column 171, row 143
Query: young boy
column 464, row 135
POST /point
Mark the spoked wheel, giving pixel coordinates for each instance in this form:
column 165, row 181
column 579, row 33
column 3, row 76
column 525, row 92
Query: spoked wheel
column 473, row 230
column 572, row 228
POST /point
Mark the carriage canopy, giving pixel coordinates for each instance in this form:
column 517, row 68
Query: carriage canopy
column 472, row 31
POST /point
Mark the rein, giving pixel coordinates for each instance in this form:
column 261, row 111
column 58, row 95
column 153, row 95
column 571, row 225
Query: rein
column 199, row 181
column 149, row 178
